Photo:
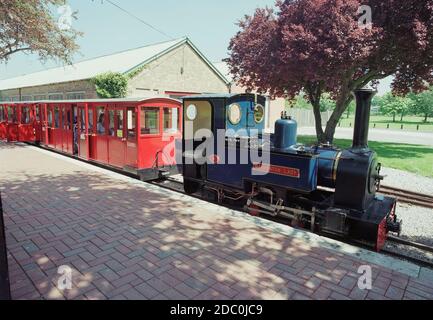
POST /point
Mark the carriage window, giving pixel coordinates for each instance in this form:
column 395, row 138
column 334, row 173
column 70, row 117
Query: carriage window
column 90, row 117
column 50, row 117
column 111, row 123
column 12, row 115
column 56, row 117
column 25, row 115
column 149, row 120
column 67, row 119
column 82, row 116
column 131, row 122
column 171, row 120
column 100, row 125
column 38, row 113
column 119, row 119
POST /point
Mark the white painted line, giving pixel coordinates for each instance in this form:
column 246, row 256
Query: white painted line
column 314, row 240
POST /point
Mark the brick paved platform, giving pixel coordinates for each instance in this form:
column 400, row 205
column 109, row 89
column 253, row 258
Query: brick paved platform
column 128, row 240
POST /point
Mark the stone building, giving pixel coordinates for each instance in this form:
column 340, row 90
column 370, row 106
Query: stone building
column 174, row 68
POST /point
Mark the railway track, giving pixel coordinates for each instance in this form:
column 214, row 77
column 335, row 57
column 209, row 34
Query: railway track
column 409, row 197
column 412, row 253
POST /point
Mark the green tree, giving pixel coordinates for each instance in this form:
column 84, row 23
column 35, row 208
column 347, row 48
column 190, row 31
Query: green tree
column 30, row 26
column 111, row 85
column 423, row 103
column 395, row 105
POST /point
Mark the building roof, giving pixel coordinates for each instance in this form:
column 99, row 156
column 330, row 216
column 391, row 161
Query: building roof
column 122, row 62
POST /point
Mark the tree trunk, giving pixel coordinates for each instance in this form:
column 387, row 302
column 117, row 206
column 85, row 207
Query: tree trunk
column 318, row 120
column 402, row 116
column 426, row 118
column 393, row 117
column 341, row 106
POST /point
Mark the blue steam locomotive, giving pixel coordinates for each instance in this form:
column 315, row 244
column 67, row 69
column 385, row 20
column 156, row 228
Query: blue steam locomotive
column 228, row 157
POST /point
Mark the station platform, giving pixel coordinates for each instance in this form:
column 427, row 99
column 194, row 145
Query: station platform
column 124, row 239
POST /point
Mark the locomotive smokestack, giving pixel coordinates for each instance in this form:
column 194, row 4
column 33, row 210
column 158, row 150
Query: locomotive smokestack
column 362, row 118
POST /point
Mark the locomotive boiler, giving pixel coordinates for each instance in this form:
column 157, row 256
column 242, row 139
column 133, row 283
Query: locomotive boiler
column 323, row 188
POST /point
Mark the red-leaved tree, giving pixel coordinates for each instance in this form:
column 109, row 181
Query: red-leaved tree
column 319, row 46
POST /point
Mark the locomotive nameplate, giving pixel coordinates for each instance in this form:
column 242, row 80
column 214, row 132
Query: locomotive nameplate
column 278, row 170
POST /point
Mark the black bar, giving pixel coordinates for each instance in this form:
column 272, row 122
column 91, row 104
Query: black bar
column 362, row 117
column 4, row 273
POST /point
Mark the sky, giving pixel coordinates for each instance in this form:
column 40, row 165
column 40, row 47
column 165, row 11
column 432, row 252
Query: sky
column 209, row 24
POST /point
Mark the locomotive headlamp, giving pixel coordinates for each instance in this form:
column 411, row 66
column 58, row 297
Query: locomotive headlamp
column 234, row 114
column 191, row 112
column 259, row 113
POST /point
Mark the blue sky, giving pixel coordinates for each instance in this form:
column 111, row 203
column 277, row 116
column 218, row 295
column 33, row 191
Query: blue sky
column 209, row 24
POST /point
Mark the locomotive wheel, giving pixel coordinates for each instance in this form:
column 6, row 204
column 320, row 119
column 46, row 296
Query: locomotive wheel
column 190, row 187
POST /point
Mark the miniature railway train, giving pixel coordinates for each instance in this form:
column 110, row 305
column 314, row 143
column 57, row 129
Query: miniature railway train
column 329, row 190
column 323, row 188
column 137, row 136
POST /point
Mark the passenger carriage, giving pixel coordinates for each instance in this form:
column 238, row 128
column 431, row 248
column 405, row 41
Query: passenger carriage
column 134, row 135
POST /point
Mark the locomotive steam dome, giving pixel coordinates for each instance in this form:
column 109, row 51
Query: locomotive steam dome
column 286, row 130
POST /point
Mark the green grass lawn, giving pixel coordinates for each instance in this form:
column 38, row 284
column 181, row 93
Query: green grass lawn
column 407, row 157
column 409, row 123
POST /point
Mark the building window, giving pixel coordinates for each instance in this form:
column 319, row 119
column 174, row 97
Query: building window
column 55, row 96
column 171, row 120
column 149, row 120
column 26, row 98
column 16, row 98
column 75, row 95
column 40, row 97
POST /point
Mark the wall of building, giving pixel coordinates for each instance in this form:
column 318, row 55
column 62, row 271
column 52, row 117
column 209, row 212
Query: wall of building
column 180, row 70
column 85, row 87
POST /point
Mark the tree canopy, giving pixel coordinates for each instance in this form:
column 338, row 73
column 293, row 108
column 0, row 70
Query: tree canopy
column 111, row 85
column 396, row 105
column 423, row 103
column 320, row 46
column 30, row 26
